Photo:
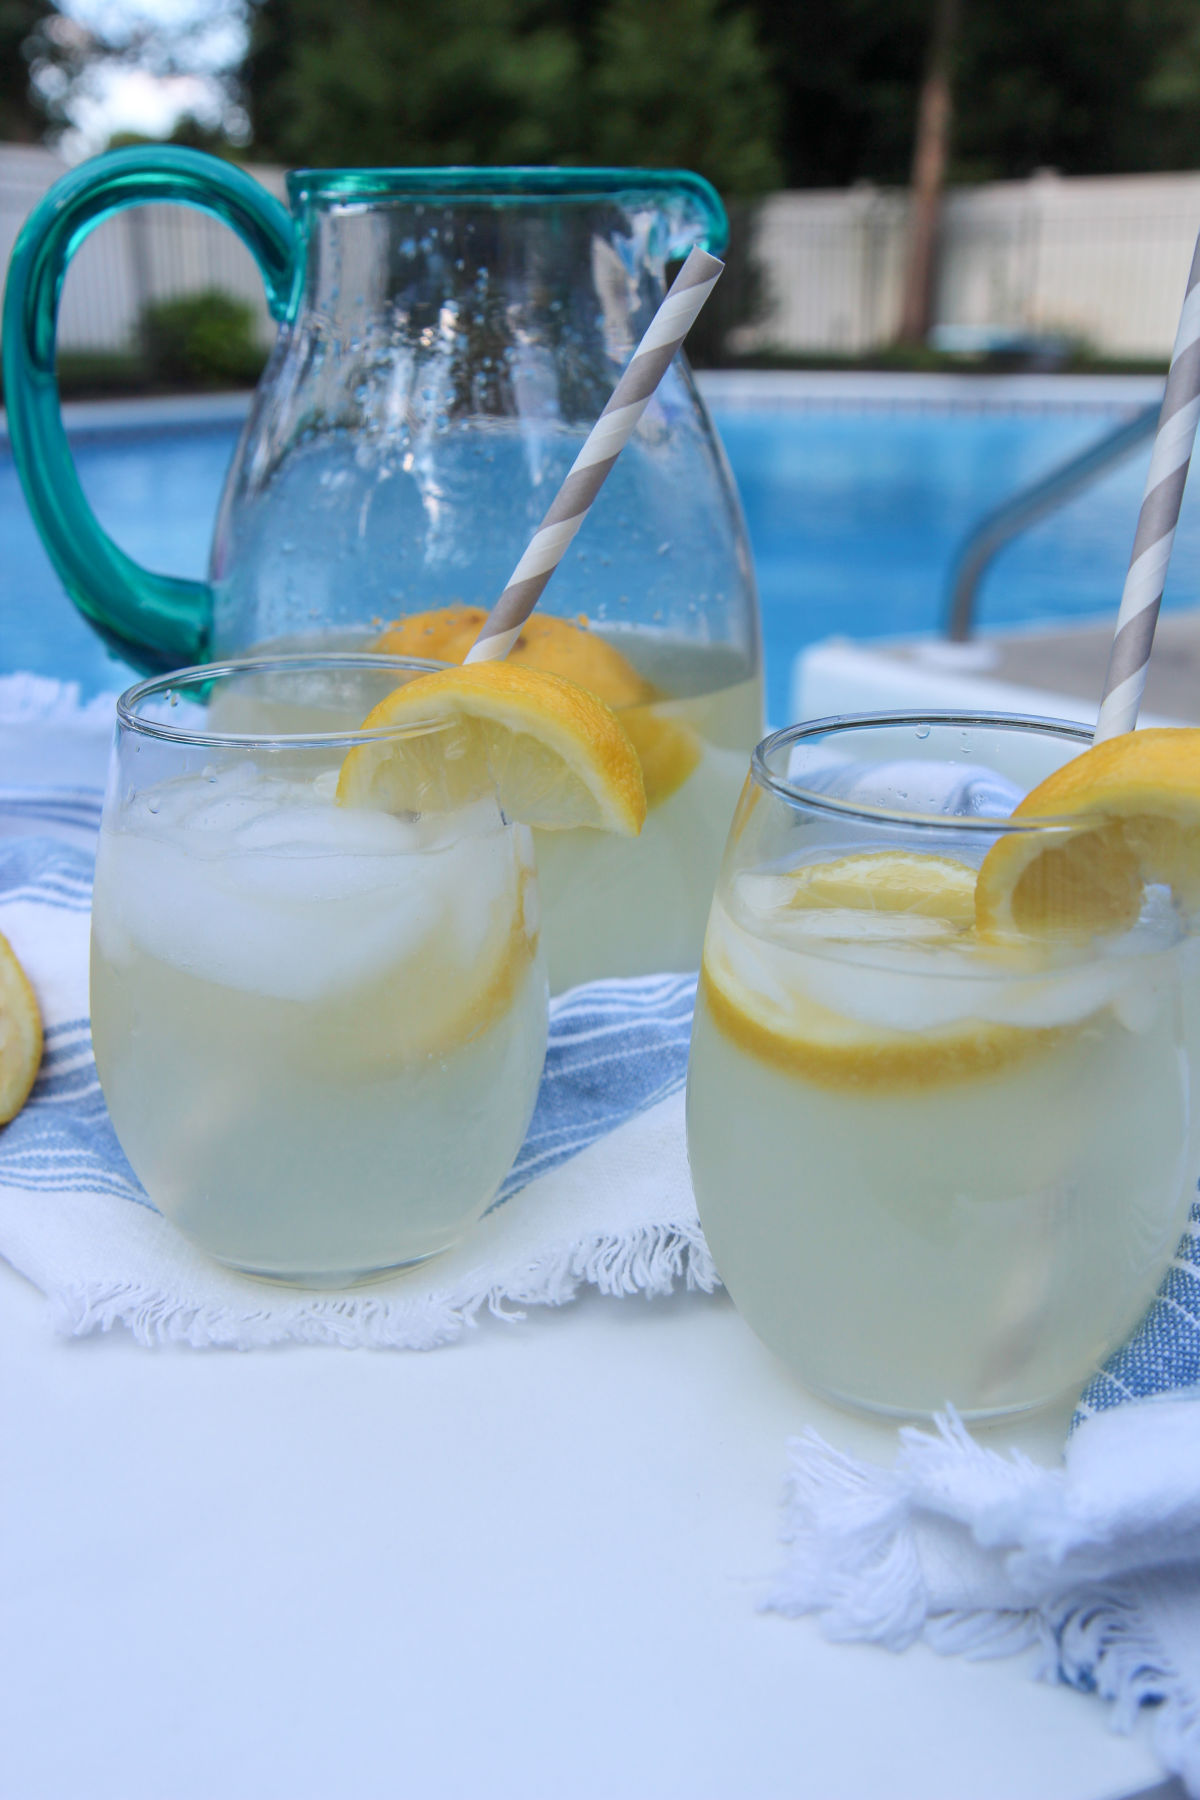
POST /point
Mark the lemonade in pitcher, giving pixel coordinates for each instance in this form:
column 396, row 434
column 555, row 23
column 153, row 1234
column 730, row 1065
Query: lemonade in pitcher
column 942, row 1104
column 318, row 992
column 616, row 906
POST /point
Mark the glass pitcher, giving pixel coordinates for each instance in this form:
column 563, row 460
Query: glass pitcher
column 447, row 338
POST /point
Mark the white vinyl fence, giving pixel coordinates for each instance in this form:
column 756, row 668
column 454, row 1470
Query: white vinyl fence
column 144, row 254
column 1102, row 260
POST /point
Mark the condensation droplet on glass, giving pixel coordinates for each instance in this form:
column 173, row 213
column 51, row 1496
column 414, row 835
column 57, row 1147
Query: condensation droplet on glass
column 172, row 697
column 922, row 731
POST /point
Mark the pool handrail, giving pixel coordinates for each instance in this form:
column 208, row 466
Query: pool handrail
column 1052, row 490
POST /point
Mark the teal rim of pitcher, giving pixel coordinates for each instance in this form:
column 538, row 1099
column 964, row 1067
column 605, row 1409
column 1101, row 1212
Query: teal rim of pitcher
column 515, row 184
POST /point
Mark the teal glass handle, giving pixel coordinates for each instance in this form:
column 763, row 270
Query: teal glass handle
column 156, row 622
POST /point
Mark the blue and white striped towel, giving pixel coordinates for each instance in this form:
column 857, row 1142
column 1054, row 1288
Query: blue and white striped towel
column 604, row 1192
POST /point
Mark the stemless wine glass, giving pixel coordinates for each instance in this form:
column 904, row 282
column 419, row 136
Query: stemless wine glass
column 319, row 1030
column 932, row 1167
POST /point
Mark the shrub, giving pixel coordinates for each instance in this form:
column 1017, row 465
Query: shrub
column 206, row 339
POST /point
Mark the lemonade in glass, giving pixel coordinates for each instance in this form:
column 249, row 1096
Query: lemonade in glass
column 942, row 1106
column 318, row 993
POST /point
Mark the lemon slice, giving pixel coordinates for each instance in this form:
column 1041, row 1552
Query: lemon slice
column 756, row 994
column 20, row 1034
column 551, row 753
column 1134, row 802
column 889, row 881
column 667, row 749
column 554, row 645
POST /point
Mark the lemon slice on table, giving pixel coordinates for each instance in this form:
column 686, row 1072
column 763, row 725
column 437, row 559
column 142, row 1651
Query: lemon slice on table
column 20, row 1034
column 553, row 754
column 1135, row 803
column 668, row 749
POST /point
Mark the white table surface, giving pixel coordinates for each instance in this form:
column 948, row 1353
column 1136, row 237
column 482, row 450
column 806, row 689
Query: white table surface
column 526, row 1564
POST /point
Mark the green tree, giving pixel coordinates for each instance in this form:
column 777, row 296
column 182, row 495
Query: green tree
column 1089, row 87
column 850, row 72
column 386, row 82
column 498, row 81
column 1085, row 86
column 684, row 84
column 24, row 41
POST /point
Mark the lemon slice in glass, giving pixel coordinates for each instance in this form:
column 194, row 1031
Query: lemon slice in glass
column 888, row 881
column 804, row 1013
column 554, row 645
column 551, row 753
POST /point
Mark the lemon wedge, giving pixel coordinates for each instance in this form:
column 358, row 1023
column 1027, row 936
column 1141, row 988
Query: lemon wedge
column 20, row 1034
column 1134, row 805
column 551, row 753
column 667, row 749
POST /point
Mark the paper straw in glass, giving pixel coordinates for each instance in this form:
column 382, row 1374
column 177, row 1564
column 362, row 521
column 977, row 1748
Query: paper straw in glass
column 1155, row 534
column 607, row 438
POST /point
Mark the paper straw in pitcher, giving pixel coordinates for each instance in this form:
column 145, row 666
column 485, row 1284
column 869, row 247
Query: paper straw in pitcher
column 1155, row 534
column 607, row 438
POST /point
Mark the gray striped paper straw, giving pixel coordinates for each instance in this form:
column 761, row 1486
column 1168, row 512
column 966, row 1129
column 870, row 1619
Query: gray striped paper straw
column 1130, row 655
column 607, row 438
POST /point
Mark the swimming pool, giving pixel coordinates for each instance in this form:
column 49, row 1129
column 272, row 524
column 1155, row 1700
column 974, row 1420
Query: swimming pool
column 855, row 505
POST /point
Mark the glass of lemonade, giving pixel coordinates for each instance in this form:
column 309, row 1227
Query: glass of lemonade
column 319, row 1030
column 935, row 1163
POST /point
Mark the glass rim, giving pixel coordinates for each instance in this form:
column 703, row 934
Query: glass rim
column 987, row 824
column 461, row 181
column 204, row 674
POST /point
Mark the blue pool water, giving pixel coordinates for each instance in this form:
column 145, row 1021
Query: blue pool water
column 854, row 517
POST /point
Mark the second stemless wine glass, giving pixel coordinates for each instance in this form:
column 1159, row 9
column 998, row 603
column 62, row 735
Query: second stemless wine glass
column 932, row 1168
column 319, row 1030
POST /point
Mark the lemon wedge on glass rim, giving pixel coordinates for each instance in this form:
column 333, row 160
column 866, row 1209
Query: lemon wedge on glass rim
column 668, row 749
column 20, row 1034
column 552, row 754
column 1131, row 811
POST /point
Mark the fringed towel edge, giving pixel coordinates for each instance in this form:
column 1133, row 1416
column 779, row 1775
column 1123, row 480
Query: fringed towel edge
column 653, row 1260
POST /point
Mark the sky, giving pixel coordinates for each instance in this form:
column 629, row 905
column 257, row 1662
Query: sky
column 148, row 96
